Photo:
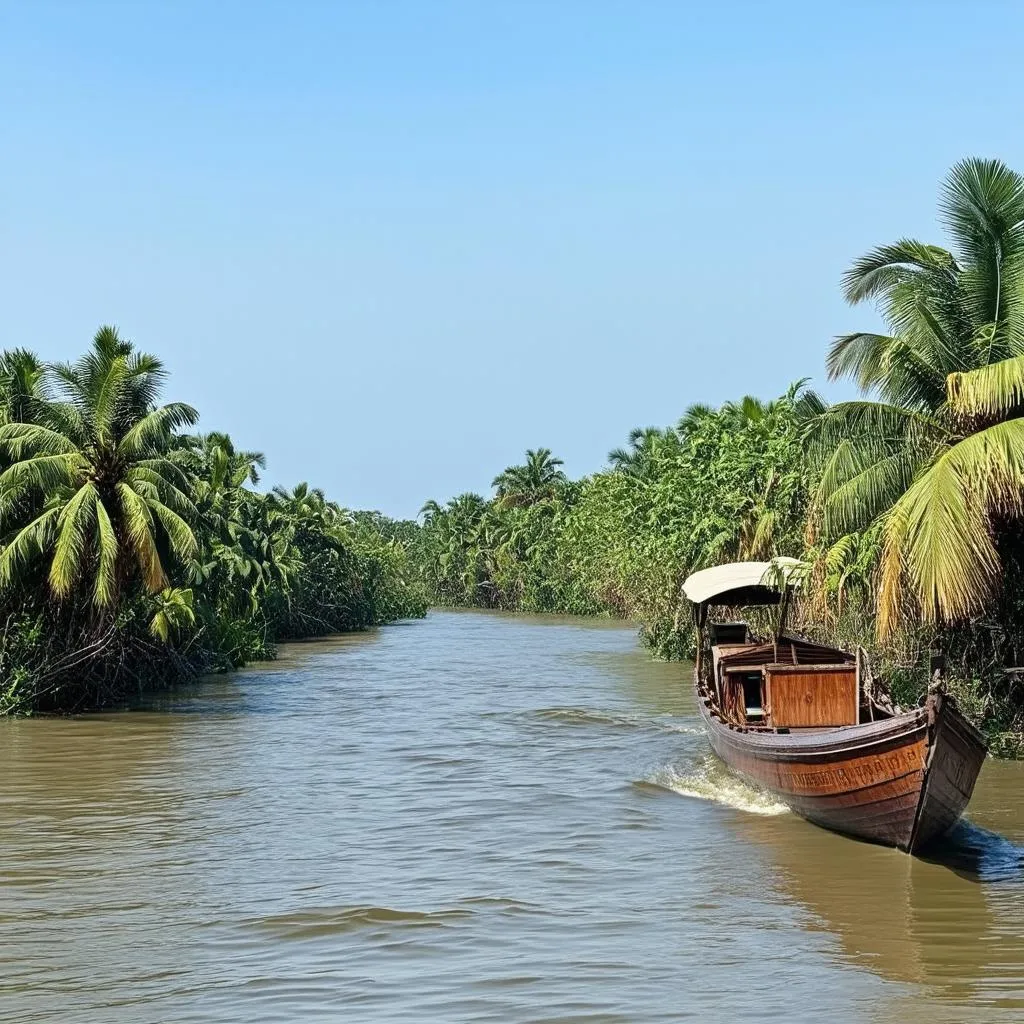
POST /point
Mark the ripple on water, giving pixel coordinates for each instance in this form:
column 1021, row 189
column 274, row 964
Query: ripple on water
column 324, row 921
column 610, row 719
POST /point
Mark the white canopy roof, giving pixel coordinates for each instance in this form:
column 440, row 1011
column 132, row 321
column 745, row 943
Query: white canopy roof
column 720, row 579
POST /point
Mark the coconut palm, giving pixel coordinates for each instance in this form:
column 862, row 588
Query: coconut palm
column 22, row 390
column 647, row 446
column 694, row 416
column 430, row 510
column 454, row 547
column 935, row 452
column 749, row 409
column 215, row 464
column 89, row 488
column 539, row 477
column 806, row 405
column 305, row 502
column 244, row 542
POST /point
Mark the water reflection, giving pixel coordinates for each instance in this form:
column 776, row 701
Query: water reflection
column 950, row 922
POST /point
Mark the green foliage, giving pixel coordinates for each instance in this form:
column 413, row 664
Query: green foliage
column 87, row 486
column 726, row 483
column 174, row 615
column 134, row 555
column 932, row 463
column 536, row 479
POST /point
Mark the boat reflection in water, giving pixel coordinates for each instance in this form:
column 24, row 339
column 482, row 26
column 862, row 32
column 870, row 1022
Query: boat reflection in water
column 950, row 922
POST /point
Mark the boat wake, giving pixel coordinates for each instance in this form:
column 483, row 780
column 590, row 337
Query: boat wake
column 710, row 780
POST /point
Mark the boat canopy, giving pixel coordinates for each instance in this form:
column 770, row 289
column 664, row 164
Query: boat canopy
column 740, row 583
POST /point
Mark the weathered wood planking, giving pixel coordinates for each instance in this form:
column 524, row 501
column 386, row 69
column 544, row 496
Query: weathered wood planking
column 901, row 781
column 813, row 695
column 956, row 756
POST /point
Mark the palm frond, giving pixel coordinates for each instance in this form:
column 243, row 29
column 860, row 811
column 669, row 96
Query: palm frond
column 888, row 265
column 23, row 439
column 30, row 543
column 155, row 428
column 42, row 474
column 169, row 470
column 183, row 540
column 913, row 381
column 66, row 419
column 982, row 202
column 940, row 531
column 162, row 488
column 988, row 391
column 875, row 486
column 74, row 526
column 105, row 587
column 138, row 522
column 109, row 398
column 877, row 424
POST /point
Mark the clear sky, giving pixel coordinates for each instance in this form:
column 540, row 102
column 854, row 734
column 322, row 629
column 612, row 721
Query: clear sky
column 394, row 244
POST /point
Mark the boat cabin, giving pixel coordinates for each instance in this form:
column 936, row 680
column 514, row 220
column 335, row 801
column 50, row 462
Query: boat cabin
column 783, row 683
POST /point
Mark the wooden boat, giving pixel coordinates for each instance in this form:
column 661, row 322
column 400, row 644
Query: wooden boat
column 808, row 724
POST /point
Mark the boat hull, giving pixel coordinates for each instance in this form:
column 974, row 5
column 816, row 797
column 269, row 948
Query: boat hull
column 901, row 782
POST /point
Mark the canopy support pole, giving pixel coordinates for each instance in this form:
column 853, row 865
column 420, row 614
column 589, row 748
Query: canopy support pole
column 783, row 610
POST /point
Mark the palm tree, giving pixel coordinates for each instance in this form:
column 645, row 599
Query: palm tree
column 215, row 463
column 539, row 477
column 88, row 486
column 935, row 452
column 243, row 542
column 647, row 446
column 22, row 392
column 304, row 500
column 694, row 416
column 430, row 511
column 747, row 410
column 805, row 403
column 455, row 547
column 310, row 513
column 175, row 613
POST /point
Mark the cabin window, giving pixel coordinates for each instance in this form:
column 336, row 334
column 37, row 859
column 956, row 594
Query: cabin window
column 750, row 683
column 728, row 632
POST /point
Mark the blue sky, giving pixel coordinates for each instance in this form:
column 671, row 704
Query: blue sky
column 393, row 245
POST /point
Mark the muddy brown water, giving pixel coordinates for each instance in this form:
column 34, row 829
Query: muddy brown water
column 471, row 818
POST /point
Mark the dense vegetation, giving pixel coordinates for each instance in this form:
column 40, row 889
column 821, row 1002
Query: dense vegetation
column 723, row 484
column 135, row 554
column 907, row 503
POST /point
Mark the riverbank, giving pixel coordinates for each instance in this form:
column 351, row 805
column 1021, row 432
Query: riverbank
column 137, row 555
column 724, row 484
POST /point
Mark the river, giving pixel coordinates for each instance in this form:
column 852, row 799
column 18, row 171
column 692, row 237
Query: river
column 475, row 817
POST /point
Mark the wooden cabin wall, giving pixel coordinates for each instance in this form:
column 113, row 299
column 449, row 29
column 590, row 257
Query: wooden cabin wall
column 818, row 695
